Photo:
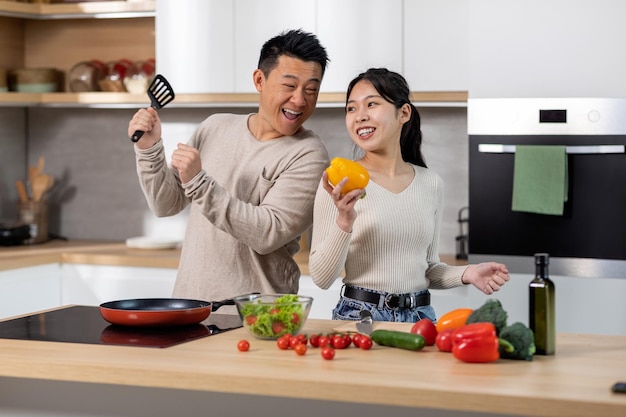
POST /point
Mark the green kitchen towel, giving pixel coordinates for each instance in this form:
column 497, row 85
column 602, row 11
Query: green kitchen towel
column 540, row 179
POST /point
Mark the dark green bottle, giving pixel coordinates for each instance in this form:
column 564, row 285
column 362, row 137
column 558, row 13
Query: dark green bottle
column 542, row 309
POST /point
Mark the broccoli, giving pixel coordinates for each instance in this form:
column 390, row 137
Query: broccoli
column 491, row 311
column 522, row 339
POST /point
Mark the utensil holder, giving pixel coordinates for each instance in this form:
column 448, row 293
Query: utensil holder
column 35, row 215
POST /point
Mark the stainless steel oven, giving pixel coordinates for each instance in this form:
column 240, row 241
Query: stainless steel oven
column 589, row 238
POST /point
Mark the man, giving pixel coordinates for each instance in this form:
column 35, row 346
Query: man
column 250, row 179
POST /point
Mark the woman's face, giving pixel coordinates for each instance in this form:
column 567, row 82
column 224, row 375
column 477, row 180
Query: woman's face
column 374, row 123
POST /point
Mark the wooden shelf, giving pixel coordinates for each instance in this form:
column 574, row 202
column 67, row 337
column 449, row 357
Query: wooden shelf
column 125, row 100
column 86, row 10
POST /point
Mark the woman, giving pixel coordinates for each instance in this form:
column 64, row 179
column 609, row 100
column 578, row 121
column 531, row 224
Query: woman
column 387, row 242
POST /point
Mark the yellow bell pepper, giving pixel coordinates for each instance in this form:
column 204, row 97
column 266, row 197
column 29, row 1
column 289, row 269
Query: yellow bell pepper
column 340, row 168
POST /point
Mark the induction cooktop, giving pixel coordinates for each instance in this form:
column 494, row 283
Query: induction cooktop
column 84, row 324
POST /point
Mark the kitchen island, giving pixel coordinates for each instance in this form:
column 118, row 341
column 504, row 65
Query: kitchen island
column 210, row 376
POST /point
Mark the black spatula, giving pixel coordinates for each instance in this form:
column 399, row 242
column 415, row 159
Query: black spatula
column 160, row 92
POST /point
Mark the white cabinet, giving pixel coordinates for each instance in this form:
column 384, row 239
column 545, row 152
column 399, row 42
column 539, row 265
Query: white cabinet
column 195, row 45
column 359, row 34
column 436, row 45
column 95, row 284
column 258, row 21
column 25, row 290
column 558, row 48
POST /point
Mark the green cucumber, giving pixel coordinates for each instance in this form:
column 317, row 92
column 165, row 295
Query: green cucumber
column 402, row 340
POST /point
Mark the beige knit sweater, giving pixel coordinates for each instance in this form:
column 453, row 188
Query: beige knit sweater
column 249, row 205
column 394, row 242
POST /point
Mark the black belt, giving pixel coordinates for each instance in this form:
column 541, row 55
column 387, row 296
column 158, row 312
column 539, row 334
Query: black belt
column 388, row 300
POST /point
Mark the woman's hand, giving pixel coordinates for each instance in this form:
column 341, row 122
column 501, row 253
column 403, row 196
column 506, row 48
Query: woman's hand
column 344, row 202
column 488, row 277
column 146, row 120
column 186, row 160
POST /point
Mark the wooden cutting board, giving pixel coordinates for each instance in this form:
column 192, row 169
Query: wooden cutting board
column 350, row 326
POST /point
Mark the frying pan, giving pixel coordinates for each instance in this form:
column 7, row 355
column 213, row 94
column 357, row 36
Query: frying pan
column 153, row 312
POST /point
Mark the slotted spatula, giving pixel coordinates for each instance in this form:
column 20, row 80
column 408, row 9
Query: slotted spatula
column 160, row 92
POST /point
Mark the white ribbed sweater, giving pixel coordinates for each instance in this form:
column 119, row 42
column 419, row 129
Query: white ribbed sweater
column 394, row 242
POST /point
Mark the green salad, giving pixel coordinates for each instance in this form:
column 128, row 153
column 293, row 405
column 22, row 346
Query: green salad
column 270, row 321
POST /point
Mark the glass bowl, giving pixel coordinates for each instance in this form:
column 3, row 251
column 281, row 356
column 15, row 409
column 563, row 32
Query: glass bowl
column 270, row 316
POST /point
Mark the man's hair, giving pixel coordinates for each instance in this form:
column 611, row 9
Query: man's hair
column 294, row 43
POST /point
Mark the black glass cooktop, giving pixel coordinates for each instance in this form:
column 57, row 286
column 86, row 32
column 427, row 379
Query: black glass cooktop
column 84, row 324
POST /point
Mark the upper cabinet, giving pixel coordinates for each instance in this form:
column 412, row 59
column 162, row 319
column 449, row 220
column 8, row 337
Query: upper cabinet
column 208, row 49
column 436, row 45
column 359, row 34
column 557, row 48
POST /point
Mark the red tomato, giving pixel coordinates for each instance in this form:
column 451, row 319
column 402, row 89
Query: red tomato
column 365, row 342
column 427, row 330
column 278, row 327
column 296, row 318
column 314, row 340
column 338, row 342
column 243, row 345
column 300, row 349
column 356, row 339
column 283, row 342
column 328, row 353
column 251, row 320
column 324, row 341
column 444, row 340
column 348, row 339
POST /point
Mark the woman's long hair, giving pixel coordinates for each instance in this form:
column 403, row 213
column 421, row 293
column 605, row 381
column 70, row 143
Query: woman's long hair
column 394, row 88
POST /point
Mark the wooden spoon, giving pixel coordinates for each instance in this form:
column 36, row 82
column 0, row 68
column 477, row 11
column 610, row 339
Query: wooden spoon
column 41, row 184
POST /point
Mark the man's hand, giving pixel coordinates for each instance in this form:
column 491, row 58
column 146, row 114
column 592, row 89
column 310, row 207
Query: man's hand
column 186, row 160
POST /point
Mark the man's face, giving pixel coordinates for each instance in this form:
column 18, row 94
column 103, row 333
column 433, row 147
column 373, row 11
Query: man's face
column 287, row 96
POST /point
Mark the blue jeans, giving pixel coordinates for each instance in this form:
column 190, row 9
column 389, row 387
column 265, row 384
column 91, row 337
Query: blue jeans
column 349, row 309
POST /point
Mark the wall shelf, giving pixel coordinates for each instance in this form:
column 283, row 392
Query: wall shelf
column 85, row 10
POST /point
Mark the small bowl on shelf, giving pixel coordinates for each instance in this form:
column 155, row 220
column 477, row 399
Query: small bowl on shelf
column 270, row 316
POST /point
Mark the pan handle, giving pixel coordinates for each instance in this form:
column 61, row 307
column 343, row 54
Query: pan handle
column 228, row 302
column 217, row 304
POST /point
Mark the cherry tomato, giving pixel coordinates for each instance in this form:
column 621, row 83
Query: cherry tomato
column 444, row 340
column 302, row 338
column 427, row 329
column 300, row 349
column 251, row 320
column 365, row 342
column 338, row 342
column 243, row 345
column 283, row 342
column 356, row 339
column 328, row 353
column 295, row 318
column 278, row 327
column 324, row 341
column 314, row 340
column 347, row 339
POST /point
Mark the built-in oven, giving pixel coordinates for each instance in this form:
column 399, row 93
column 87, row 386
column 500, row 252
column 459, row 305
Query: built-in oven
column 588, row 238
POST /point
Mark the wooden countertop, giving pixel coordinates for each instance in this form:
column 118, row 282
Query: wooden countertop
column 574, row 382
column 115, row 254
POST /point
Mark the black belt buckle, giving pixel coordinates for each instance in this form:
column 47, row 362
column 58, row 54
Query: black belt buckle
column 394, row 301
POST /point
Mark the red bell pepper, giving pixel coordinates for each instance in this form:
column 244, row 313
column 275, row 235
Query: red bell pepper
column 477, row 343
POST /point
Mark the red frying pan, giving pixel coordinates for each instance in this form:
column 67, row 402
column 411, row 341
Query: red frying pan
column 159, row 311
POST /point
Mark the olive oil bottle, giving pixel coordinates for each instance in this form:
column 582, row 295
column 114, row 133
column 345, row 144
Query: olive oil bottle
column 542, row 309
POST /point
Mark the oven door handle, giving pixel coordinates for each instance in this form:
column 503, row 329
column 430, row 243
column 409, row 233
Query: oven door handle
column 587, row 149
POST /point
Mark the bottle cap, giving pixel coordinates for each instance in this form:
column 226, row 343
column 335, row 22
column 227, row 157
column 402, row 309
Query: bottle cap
column 542, row 259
